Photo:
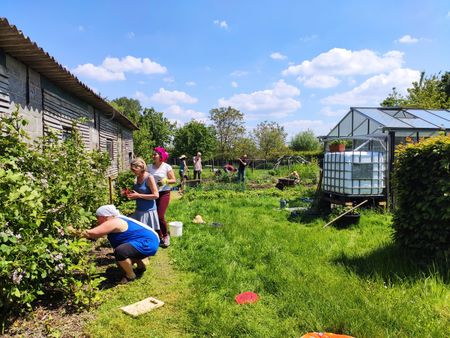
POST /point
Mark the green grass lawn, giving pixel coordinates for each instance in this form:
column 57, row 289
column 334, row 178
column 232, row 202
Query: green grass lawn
column 352, row 281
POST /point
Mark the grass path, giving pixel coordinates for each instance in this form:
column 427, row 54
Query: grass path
column 160, row 281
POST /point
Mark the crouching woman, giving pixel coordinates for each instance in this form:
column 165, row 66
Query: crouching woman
column 132, row 240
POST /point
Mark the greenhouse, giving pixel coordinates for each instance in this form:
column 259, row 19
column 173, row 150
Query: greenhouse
column 363, row 168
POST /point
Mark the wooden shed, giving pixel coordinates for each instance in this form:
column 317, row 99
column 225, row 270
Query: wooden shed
column 50, row 97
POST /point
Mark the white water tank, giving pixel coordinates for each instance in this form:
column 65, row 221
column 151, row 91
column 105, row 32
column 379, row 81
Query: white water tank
column 359, row 173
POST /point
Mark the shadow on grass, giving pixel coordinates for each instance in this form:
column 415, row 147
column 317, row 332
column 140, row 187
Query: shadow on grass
column 393, row 263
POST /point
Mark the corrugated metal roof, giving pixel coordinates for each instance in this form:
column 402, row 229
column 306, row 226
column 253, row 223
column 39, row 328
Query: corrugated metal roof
column 16, row 44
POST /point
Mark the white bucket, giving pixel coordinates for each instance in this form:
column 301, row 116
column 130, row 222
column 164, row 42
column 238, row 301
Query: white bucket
column 176, row 229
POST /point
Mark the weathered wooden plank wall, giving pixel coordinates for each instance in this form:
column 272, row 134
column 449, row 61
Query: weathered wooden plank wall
column 108, row 130
column 59, row 113
column 5, row 101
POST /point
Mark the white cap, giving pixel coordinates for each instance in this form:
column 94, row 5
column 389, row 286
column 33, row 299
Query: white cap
column 107, row 210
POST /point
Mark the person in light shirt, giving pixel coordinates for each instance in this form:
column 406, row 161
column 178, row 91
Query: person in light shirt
column 164, row 176
column 198, row 166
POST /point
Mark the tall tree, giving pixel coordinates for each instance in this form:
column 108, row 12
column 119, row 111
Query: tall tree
column 394, row 99
column 131, row 108
column 194, row 136
column 305, row 141
column 244, row 145
column 154, row 128
column 229, row 126
column 429, row 92
column 270, row 138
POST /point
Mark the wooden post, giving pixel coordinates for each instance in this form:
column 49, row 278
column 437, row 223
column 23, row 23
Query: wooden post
column 110, row 190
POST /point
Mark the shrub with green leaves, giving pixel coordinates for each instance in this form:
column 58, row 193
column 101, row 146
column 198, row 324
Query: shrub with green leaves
column 422, row 187
column 44, row 187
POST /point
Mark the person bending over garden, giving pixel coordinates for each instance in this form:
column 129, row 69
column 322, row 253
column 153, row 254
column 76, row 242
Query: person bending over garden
column 145, row 192
column 229, row 169
column 164, row 176
column 132, row 240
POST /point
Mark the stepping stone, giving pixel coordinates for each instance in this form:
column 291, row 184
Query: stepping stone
column 142, row 307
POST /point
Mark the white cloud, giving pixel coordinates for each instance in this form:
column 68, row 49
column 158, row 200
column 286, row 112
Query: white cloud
column 308, row 38
column 375, row 89
column 133, row 64
column 113, row 69
column 221, row 23
column 190, row 83
column 169, row 79
column 343, row 62
column 278, row 56
column 186, row 114
column 328, row 111
column 98, row 73
column 172, row 97
column 320, row 81
column 319, row 127
column 234, row 84
column 278, row 101
column 407, row 39
column 239, row 73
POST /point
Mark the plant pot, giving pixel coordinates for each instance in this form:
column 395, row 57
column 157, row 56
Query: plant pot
column 347, row 220
column 337, row 148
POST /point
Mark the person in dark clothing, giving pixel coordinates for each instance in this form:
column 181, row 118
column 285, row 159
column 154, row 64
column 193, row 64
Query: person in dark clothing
column 243, row 162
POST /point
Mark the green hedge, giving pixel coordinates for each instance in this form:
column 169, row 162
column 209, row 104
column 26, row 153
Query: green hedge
column 422, row 190
column 44, row 187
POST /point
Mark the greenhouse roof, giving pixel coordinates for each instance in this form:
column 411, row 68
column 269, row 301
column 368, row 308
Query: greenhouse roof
column 372, row 120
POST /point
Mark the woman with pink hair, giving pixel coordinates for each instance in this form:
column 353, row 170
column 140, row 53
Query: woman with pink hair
column 164, row 175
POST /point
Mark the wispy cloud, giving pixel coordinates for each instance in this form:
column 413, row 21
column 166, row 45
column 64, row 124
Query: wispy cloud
column 407, row 39
column 221, row 23
column 190, row 83
column 166, row 97
column 375, row 89
column 81, row 28
column 169, row 79
column 320, row 81
column 308, row 38
column 278, row 101
column 185, row 114
column 278, row 56
column 234, row 84
column 114, row 69
column 239, row 73
column 339, row 61
column 131, row 35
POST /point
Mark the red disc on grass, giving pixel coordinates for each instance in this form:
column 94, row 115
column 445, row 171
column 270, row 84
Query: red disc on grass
column 247, row 298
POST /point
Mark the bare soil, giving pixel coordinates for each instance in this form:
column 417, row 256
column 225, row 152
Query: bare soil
column 55, row 319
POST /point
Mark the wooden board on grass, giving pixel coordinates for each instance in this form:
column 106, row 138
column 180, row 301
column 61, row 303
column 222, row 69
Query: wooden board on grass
column 142, row 307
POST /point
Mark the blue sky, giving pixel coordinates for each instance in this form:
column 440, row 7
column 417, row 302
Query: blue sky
column 299, row 63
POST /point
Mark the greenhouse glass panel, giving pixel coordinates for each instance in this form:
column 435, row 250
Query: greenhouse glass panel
column 374, row 127
column 435, row 117
column 333, row 132
column 345, row 126
column 383, row 118
column 362, row 129
column 418, row 123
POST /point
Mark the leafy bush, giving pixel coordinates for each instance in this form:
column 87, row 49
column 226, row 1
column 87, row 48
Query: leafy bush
column 43, row 188
column 305, row 141
column 125, row 179
column 422, row 186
